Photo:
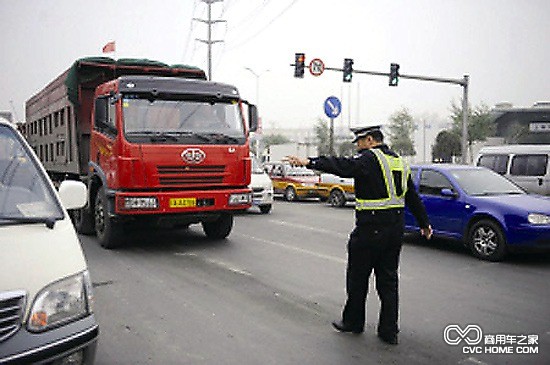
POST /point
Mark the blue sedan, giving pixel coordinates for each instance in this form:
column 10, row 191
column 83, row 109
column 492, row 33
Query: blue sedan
column 488, row 213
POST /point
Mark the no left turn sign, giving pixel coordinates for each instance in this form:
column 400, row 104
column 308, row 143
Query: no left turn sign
column 316, row 67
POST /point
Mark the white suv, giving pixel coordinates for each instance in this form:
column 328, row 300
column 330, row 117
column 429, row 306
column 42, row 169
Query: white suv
column 45, row 289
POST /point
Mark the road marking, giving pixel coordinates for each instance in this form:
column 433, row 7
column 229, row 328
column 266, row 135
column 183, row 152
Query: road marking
column 472, row 360
column 296, row 249
column 223, row 265
column 310, row 228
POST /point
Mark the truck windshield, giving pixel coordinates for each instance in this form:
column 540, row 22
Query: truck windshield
column 25, row 194
column 182, row 121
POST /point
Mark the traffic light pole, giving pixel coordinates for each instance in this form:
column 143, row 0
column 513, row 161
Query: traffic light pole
column 462, row 82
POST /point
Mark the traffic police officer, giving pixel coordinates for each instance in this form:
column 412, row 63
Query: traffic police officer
column 383, row 187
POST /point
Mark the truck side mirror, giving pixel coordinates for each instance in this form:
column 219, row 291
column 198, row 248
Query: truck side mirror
column 252, row 118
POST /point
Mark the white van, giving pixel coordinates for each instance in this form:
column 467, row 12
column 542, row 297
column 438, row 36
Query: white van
column 526, row 165
column 45, row 290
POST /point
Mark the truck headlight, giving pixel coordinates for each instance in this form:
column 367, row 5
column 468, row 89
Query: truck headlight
column 142, row 202
column 536, row 218
column 239, row 199
column 61, row 302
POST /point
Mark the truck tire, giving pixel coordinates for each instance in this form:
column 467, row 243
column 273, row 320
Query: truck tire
column 220, row 228
column 108, row 232
column 83, row 221
column 337, row 198
column 264, row 209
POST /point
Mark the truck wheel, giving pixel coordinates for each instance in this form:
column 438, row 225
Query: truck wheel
column 107, row 231
column 265, row 208
column 220, row 228
column 83, row 221
column 337, row 198
column 290, row 194
column 486, row 241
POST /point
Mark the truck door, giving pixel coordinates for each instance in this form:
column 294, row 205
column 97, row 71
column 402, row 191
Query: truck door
column 105, row 133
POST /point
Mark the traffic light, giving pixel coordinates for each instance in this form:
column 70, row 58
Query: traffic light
column 299, row 65
column 394, row 74
column 348, row 69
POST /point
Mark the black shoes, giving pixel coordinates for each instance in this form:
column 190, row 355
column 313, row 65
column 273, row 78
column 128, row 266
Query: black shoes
column 340, row 326
column 389, row 339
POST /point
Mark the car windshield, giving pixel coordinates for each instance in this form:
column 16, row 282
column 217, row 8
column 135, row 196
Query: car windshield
column 484, row 182
column 185, row 121
column 25, row 194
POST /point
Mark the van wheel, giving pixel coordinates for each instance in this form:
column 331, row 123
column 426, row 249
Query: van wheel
column 290, row 194
column 108, row 232
column 486, row 241
column 220, row 228
column 337, row 198
column 83, row 221
column 264, row 209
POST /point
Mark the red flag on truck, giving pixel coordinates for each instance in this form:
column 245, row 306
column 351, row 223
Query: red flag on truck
column 109, row 47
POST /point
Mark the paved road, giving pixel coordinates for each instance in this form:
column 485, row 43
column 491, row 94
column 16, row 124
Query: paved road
column 267, row 295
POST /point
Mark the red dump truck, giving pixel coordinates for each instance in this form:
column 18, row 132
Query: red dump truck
column 156, row 145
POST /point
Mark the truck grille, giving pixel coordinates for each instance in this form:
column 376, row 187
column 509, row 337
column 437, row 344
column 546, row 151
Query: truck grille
column 12, row 305
column 190, row 175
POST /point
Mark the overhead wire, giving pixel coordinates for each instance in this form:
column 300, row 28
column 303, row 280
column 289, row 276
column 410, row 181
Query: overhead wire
column 265, row 27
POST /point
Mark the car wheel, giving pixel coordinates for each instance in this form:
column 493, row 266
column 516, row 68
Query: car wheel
column 108, row 232
column 486, row 240
column 219, row 228
column 290, row 194
column 264, row 209
column 82, row 220
column 337, row 198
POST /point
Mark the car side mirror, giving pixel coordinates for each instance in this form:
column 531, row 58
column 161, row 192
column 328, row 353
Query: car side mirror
column 448, row 193
column 73, row 194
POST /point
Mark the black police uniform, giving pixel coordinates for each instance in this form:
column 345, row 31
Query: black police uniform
column 375, row 243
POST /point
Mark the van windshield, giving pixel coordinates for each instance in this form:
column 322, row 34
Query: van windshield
column 156, row 120
column 25, row 194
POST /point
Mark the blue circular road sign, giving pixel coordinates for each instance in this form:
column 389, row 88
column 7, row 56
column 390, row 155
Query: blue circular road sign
column 333, row 107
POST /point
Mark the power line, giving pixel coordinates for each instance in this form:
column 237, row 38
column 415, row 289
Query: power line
column 189, row 34
column 265, row 27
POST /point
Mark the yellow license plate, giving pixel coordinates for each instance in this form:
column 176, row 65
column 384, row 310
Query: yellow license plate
column 183, row 202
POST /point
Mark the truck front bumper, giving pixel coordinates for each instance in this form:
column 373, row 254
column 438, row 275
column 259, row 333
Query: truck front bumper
column 180, row 202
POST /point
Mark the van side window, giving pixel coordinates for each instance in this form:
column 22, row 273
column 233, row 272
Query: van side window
column 529, row 165
column 497, row 163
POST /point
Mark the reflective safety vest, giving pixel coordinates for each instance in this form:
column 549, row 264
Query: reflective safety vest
column 390, row 166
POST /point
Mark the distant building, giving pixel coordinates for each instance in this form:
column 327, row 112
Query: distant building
column 529, row 125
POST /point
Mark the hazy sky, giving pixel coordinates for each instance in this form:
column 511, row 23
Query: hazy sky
column 504, row 45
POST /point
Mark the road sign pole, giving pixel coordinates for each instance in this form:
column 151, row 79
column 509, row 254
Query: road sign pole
column 331, row 138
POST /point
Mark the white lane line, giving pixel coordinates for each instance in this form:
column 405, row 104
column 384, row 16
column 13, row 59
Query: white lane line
column 310, row 228
column 223, row 265
column 295, row 249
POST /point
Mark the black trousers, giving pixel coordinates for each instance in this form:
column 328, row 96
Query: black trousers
column 373, row 248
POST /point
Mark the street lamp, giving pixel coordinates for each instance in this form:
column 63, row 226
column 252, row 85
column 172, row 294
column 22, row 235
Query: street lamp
column 257, row 76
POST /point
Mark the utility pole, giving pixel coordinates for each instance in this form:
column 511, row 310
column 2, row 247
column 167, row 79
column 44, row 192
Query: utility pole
column 465, row 160
column 209, row 40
